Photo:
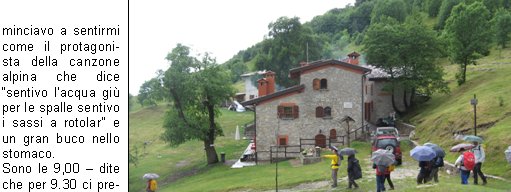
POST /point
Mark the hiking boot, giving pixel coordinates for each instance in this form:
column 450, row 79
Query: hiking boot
column 484, row 182
column 333, row 186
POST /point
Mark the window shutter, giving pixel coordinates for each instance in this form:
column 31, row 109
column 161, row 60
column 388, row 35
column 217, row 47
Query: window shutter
column 316, row 84
column 280, row 111
column 295, row 111
column 323, row 84
column 328, row 112
column 319, row 111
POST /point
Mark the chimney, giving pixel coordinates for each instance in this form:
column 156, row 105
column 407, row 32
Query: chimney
column 262, row 86
column 270, row 78
column 353, row 58
column 303, row 64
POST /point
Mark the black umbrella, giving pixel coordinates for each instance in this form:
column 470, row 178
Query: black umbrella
column 439, row 151
column 348, row 151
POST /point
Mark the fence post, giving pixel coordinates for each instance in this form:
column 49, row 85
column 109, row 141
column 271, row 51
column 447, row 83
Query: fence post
column 271, row 155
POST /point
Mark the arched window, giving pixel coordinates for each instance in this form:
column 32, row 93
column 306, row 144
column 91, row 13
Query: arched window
column 327, row 112
column 316, row 84
column 324, row 84
column 319, row 111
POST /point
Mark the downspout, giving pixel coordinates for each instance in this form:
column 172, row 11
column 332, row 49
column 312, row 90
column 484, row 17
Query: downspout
column 255, row 132
column 362, row 106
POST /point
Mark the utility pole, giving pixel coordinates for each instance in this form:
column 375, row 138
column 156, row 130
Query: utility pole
column 474, row 103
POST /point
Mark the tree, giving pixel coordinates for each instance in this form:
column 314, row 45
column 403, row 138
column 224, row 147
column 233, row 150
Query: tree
column 407, row 52
column 467, row 35
column 445, row 12
column 130, row 102
column 396, row 9
column 502, row 27
column 197, row 88
column 150, row 92
column 286, row 47
column 434, row 7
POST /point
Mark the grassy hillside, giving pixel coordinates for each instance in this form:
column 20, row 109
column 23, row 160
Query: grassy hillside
column 490, row 80
column 171, row 163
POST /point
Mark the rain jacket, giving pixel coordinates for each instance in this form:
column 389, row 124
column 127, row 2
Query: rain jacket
column 335, row 161
column 478, row 153
column 152, row 185
column 354, row 170
column 380, row 169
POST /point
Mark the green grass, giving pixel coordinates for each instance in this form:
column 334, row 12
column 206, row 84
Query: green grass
column 490, row 80
column 145, row 126
column 262, row 177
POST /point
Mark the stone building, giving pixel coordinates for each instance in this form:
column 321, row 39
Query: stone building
column 329, row 90
column 312, row 112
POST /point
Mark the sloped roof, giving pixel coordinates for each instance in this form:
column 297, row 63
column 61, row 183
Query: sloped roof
column 293, row 89
column 376, row 73
column 295, row 72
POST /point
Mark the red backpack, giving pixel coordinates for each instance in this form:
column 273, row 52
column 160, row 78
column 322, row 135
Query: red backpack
column 469, row 160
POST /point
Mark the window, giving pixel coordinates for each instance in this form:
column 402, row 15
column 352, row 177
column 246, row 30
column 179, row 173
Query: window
column 287, row 111
column 316, row 84
column 251, row 96
column 327, row 112
column 323, row 84
column 282, row 140
column 319, row 111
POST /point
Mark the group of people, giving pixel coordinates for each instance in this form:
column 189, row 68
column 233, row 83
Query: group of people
column 467, row 161
column 355, row 172
column 471, row 161
column 353, row 169
column 429, row 170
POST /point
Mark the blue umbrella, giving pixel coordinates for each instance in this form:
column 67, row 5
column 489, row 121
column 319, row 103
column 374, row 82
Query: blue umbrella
column 422, row 153
column 439, row 151
column 473, row 138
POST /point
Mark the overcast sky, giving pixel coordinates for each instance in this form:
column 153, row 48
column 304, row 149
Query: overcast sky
column 220, row 27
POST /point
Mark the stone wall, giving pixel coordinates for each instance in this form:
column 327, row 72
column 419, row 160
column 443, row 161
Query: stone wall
column 343, row 87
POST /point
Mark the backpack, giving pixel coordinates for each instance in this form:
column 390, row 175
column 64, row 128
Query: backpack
column 469, row 160
column 439, row 162
column 392, row 167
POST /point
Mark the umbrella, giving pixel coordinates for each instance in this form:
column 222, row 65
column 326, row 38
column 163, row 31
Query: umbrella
column 473, row 138
column 439, row 151
column 383, row 157
column 150, row 176
column 466, row 146
column 422, row 153
column 347, row 151
column 333, row 148
column 508, row 154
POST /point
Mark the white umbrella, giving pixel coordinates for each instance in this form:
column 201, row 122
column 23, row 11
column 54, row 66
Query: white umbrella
column 151, row 176
column 383, row 157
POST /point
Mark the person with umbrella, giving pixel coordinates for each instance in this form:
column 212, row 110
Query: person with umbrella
column 424, row 155
column 152, row 185
column 479, row 156
column 334, row 164
column 437, row 162
column 382, row 159
column 464, row 172
column 354, row 170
